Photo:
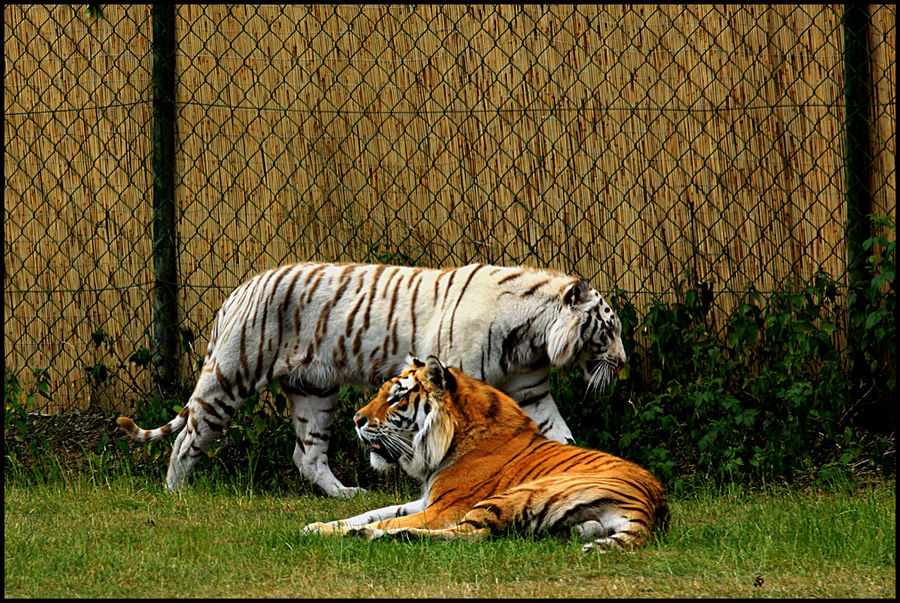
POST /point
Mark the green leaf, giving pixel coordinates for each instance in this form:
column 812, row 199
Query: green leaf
column 872, row 320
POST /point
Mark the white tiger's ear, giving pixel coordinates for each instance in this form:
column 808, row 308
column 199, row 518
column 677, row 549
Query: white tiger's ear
column 563, row 336
column 580, row 296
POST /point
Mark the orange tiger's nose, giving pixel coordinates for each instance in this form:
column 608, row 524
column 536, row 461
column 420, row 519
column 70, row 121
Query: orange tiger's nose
column 360, row 420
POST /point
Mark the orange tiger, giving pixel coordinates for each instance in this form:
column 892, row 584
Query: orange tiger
column 487, row 468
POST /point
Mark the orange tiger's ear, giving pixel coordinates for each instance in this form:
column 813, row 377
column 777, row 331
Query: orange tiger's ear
column 442, row 380
column 413, row 362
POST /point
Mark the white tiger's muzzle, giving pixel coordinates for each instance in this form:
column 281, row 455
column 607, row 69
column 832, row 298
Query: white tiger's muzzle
column 600, row 366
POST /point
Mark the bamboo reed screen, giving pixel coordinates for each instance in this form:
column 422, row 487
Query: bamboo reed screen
column 634, row 146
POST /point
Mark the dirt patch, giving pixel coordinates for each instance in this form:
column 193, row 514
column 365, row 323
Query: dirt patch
column 68, row 434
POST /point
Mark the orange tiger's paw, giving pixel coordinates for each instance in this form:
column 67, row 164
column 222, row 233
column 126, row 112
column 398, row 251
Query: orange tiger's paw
column 324, row 529
column 367, row 532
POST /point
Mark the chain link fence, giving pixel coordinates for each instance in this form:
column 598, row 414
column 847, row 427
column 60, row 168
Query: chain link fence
column 633, row 146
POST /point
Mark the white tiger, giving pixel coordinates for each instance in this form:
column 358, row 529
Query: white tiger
column 315, row 326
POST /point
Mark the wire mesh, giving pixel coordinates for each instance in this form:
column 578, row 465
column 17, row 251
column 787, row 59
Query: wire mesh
column 631, row 145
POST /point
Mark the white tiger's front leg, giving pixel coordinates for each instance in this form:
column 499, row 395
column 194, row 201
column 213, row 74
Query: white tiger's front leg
column 532, row 392
column 312, row 429
column 555, row 426
column 342, row 525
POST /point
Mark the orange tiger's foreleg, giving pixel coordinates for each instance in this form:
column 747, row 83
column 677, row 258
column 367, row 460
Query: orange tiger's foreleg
column 429, row 519
column 460, row 530
column 427, row 522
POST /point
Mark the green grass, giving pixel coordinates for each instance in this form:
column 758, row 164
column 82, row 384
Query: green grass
column 74, row 536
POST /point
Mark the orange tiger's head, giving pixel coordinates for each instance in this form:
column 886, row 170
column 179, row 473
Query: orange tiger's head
column 430, row 410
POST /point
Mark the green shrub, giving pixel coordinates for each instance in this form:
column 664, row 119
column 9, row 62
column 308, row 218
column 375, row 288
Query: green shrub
column 19, row 440
column 768, row 396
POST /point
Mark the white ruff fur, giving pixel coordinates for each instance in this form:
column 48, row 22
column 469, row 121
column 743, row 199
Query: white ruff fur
column 430, row 444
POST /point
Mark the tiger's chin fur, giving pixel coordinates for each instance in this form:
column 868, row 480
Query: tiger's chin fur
column 486, row 468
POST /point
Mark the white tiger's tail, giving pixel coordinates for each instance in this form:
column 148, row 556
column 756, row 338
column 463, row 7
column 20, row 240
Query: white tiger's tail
column 144, row 435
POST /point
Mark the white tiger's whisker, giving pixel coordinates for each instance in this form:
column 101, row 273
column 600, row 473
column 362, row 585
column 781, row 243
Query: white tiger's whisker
column 599, row 378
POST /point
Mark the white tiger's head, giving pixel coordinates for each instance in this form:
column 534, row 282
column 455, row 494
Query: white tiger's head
column 587, row 331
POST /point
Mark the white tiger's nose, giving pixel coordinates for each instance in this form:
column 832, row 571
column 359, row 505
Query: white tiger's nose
column 618, row 352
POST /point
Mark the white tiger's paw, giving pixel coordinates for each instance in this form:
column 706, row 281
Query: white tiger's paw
column 339, row 491
column 350, row 492
column 559, row 433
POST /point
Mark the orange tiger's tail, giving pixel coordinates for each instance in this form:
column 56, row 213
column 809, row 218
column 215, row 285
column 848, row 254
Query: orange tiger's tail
column 143, row 435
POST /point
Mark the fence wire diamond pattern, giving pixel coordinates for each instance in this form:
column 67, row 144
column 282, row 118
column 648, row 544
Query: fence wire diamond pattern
column 632, row 145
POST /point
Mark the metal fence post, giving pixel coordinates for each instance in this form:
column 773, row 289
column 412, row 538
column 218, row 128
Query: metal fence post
column 857, row 161
column 857, row 152
column 165, row 356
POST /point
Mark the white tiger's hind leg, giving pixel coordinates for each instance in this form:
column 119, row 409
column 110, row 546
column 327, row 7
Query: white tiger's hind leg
column 207, row 417
column 181, row 461
column 189, row 445
column 312, row 418
column 177, row 472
